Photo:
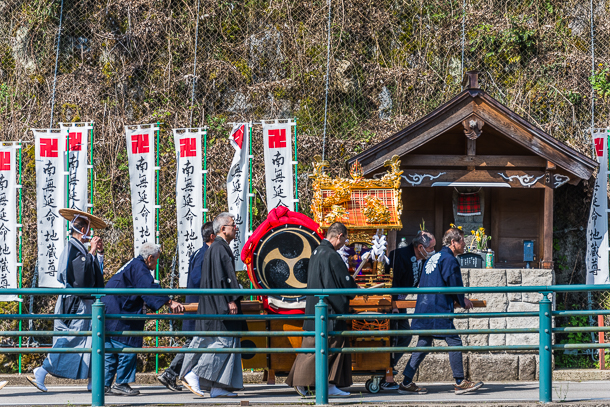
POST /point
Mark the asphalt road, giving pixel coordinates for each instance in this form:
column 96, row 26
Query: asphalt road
column 522, row 392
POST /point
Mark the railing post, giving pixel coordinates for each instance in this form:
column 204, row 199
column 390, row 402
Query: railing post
column 321, row 352
column 98, row 322
column 545, row 350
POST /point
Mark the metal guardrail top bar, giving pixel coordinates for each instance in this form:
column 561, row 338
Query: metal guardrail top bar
column 311, row 291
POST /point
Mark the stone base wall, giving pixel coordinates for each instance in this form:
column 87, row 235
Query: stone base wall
column 492, row 366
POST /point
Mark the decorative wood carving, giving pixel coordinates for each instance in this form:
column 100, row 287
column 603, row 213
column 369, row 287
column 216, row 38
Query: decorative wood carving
column 416, row 179
column 559, row 180
column 525, row 180
column 473, row 127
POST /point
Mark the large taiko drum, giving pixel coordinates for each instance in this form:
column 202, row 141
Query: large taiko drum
column 277, row 256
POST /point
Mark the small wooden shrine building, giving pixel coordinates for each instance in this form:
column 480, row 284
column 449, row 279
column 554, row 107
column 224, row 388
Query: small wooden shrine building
column 474, row 162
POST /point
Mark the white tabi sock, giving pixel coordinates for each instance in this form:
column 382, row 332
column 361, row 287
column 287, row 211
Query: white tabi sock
column 192, row 380
column 335, row 391
column 40, row 375
column 218, row 392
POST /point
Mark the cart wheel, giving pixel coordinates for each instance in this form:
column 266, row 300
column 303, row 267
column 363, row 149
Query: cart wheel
column 372, row 386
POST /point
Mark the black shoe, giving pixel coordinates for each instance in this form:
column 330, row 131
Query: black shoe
column 107, row 390
column 169, row 382
column 123, row 389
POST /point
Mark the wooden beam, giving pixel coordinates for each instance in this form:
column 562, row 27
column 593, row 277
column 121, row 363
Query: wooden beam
column 547, row 239
column 471, row 151
column 417, row 135
column 495, row 221
column 516, row 179
column 515, row 161
column 534, row 141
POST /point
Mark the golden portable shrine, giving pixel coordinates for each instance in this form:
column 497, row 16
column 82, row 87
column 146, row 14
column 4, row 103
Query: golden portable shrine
column 277, row 256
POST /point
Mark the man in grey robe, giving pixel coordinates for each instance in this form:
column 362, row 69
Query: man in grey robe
column 78, row 268
column 219, row 373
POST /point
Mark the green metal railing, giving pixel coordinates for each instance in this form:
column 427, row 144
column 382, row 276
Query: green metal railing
column 98, row 333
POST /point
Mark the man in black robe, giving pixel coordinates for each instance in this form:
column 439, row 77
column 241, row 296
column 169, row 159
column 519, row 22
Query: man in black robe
column 78, row 268
column 168, row 377
column 219, row 373
column 406, row 263
column 326, row 270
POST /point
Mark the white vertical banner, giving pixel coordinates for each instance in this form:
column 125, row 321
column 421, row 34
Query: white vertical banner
column 50, row 151
column 8, row 220
column 141, row 157
column 77, row 134
column 597, row 228
column 237, row 188
column 278, row 164
column 189, row 196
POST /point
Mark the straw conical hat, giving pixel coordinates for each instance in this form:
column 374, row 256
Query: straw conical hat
column 94, row 221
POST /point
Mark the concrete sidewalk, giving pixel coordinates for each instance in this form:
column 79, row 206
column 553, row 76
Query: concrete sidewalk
column 506, row 394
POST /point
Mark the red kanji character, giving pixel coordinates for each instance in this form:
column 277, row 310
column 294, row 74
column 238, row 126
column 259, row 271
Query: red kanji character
column 277, row 138
column 238, row 136
column 139, row 144
column 188, row 147
column 76, row 141
column 5, row 161
column 49, row 147
column 599, row 146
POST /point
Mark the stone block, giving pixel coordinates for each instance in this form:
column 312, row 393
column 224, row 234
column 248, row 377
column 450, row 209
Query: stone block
column 514, row 297
column 478, row 339
column 495, row 302
column 487, row 277
column 532, row 277
column 436, row 368
column 494, row 367
column 497, row 339
column 522, row 322
column 513, row 276
column 533, row 298
column 527, row 367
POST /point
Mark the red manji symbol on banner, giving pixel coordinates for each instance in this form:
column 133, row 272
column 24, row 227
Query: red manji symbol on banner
column 188, row 147
column 277, row 138
column 599, row 146
column 5, row 161
column 139, row 144
column 49, row 147
column 76, row 141
column 238, row 136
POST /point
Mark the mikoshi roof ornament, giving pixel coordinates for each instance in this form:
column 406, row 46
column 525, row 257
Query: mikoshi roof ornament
column 359, row 203
column 94, row 221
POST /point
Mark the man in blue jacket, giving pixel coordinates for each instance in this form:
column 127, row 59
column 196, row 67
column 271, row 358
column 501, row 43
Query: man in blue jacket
column 168, row 377
column 135, row 274
column 441, row 270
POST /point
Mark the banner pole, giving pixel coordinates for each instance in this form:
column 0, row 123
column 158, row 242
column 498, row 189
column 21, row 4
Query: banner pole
column 157, row 241
column 205, row 174
column 91, row 169
column 68, row 181
column 20, row 259
column 249, row 226
column 296, row 169
column 250, row 194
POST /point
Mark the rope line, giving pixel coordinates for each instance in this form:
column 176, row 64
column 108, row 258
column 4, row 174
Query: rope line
column 327, row 78
column 195, row 64
column 61, row 15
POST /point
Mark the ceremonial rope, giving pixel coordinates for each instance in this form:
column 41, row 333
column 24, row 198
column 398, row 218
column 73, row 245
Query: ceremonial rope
column 327, row 77
column 195, row 64
column 61, row 15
